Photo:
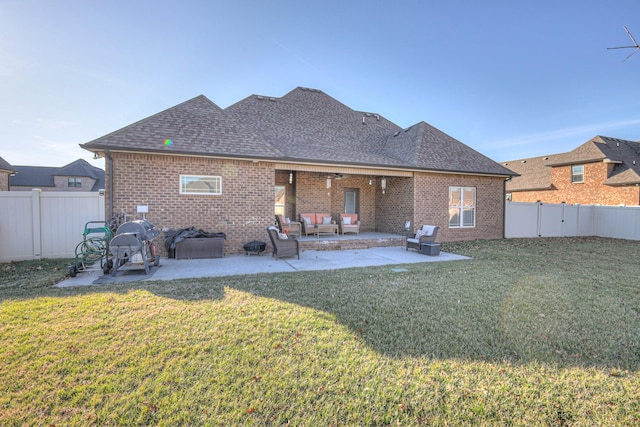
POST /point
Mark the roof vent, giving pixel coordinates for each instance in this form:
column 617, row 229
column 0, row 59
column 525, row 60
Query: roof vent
column 617, row 144
column 272, row 99
column 524, row 161
column 634, row 162
column 546, row 158
column 363, row 122
column 260, row 97
column 397, row 133
column 377, row 117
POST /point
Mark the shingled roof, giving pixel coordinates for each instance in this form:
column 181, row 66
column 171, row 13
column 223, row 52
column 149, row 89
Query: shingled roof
column 196, row 126
column 42, row 176
column 5, row 166
column 535, row 173
column 305, row 125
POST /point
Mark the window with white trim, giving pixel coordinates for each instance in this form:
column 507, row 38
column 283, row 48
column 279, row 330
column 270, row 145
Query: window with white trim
column 74, row 182
column 462, row 207
column 577, row 173
column 200, row 184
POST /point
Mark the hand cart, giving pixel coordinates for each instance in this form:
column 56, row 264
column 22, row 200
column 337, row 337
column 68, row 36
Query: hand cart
column 94, row 247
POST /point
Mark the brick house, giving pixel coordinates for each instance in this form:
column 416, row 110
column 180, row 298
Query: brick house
column 76, row 176
column 603, row 170
column 228, row 170
column 6, row 170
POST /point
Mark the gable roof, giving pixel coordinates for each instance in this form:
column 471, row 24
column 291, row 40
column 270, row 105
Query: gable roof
column 43, row 176
column 305, row 125
column 535, row 173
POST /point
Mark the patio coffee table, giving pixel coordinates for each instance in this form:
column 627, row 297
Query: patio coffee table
column 326, row 229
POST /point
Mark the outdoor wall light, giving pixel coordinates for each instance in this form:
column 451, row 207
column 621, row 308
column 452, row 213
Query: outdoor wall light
column 383, row 183
column 290, row 177
column 370, row 181
column 328, row 182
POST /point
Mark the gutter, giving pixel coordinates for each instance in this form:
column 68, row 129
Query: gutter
column 107, row 155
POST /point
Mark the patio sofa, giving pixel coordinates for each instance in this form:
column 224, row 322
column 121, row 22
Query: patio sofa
column 426, row 233
column 310, row 220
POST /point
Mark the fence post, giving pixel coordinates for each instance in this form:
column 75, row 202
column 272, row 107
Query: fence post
column 36, row 223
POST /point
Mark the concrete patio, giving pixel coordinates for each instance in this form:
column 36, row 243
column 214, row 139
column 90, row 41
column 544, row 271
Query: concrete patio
column 231, row 265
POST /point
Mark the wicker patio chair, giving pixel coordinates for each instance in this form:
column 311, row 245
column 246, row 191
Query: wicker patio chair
column 427, row 233
column 283, row 247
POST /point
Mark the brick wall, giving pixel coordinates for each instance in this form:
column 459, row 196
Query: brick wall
column 396, row 205
column 432, row 205
column 312, row 196
column 591, row 191
column 62, row 184
column 243, row 211
column 4, row 181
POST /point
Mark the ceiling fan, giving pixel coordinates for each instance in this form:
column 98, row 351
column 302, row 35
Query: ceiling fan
column 635, row 46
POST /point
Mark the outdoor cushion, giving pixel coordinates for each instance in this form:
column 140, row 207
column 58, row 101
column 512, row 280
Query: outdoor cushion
column 428, row 229
column 346, row 220
column 307, row 220
column 421, row 233
column 326, row 220
column 282, row 236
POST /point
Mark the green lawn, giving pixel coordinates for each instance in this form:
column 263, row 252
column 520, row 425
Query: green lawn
column 528, row 332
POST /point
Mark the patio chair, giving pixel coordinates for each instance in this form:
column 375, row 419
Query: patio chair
column 349, row 223
column 290, row 228
column 283, row 247
column 427, row 233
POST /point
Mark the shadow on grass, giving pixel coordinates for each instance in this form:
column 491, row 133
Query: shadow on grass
column 553, row 302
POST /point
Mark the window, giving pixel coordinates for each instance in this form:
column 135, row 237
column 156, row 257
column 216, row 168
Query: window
column 197, row 184
column 280, row 194
column 577, row 173
column 74, row 182
column 462, row 207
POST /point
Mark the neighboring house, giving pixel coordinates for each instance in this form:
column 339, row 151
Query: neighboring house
column 6, row 170
column 229, row 170
column 603, row 170
column 76, row 176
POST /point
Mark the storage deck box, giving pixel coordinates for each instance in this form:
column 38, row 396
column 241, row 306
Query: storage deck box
column 200, row 247
column 430, row 248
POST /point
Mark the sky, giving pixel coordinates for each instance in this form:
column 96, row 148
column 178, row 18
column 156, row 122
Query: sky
column 510, row 79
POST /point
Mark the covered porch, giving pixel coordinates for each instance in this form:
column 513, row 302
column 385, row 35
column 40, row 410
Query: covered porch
column 382, row 199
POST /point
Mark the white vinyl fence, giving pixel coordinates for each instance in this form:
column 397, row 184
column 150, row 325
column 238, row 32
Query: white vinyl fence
column 45, row 224
column 551, row 220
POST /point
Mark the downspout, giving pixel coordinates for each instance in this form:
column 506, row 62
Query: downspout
column 504, row 208
column 110, row 161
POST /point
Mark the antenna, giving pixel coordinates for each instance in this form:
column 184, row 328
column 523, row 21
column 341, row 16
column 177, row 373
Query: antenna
column 635, row 46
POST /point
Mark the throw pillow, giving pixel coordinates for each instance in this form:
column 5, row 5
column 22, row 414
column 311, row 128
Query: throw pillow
column 282, row 236
column 307, row 220
column 326, row 220
column 346, row 220
column 287, row 220
column 421, row 233
column 428, row 229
